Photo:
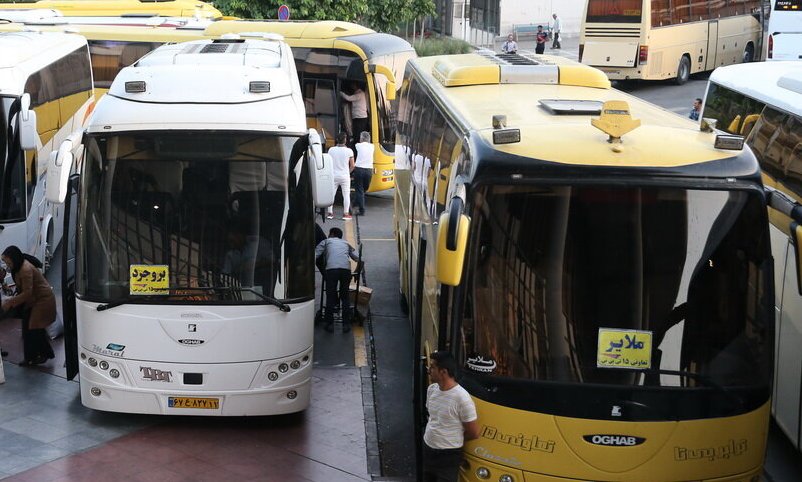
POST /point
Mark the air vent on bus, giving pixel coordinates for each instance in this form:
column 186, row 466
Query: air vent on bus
column 619, row 32
column 515, row 59
column 214, row 48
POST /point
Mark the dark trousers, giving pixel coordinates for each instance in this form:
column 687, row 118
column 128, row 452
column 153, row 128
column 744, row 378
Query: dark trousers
column 441, row 465
column 35, row 343
column 362, row 177
column 556, row 43
column 540, row 48
column 337, row 281
column 359, row 125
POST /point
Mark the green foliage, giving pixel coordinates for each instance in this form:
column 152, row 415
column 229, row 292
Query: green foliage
column 381, row 15
column 346, row 10
column 442, row 46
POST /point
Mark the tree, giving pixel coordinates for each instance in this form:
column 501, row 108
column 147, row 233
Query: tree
column 381, row 15
column 346, row 10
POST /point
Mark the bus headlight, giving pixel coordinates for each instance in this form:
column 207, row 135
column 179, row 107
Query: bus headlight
column 295, row 365
column 483, row 473
column 104, row 365
column 283, row 368
column 506, row 478
column 387, row 172
column 95, row 391
column 114, row 373
column 272, row 376
column 92, row 362
column 292, row 394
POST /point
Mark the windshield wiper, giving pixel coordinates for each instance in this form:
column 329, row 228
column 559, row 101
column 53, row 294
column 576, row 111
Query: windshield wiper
column 123, row 301
column 273, row 301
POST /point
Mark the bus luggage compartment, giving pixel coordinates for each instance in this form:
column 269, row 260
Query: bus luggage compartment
column 610, row 54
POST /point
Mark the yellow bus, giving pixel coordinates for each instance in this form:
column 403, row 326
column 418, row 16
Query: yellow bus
column 330, row 56
column 668, row 39
column 599, row 267
column 102, row 8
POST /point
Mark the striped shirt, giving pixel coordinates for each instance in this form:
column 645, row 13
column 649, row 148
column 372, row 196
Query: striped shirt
column 448, row 410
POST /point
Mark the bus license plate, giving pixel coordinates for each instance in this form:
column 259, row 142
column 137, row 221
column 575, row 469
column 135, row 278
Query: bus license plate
column 188, row 402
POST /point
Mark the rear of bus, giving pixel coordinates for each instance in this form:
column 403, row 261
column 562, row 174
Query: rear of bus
column 785, row 30
column 662, row 39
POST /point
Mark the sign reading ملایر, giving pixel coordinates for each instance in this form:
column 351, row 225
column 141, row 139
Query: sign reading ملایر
column 624, row 349
column 145, row 279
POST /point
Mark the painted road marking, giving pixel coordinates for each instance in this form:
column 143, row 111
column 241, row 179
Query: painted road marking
column 360, row 353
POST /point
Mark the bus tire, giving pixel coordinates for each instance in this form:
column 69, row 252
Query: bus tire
column 749, row 53
column 683, row 70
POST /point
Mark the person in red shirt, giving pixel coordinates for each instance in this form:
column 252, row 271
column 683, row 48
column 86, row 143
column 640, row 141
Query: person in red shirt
column 541, row 40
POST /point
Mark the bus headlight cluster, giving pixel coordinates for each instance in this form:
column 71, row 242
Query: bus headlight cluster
column 506, row 478
column 483, row 473
column 285, row 367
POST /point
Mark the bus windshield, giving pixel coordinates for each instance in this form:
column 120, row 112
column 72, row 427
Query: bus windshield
column 12, row 174
column 679, row 274
column 221, row 211
column 614, row 11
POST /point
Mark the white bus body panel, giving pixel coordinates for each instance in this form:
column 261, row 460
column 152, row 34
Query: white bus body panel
column 611, row 53
column 226, row 344
column 785, row 30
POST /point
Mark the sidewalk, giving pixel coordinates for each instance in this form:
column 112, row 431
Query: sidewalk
column 570, row 47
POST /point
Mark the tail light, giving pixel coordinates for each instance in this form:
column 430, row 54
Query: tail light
column 581, row 51
column 771, row 46
column 643, row 54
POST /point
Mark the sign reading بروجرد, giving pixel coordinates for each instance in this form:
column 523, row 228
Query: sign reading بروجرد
column 145, row 279
column 619, row 348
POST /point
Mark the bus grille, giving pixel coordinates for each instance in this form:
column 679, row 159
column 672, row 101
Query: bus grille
column 623, row 32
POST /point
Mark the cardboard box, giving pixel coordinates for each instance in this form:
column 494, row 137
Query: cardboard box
column 362, row 299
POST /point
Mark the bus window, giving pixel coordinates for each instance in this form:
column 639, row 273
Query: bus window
column 109, row 57
column 623, row 11
column 731, row 110
column 661, row 13
column 320, row 98
column 444, row 162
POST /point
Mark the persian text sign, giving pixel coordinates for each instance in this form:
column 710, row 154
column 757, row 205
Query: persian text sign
column 149, row 279
column 624, row 349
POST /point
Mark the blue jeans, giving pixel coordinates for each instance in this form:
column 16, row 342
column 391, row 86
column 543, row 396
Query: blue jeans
column 362, row 177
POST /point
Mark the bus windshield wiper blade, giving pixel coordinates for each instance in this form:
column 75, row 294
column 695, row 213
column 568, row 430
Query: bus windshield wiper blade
column 122, row 301
column 273, row 301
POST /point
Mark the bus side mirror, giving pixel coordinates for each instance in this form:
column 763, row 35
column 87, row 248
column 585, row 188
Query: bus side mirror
column 386, row 72
column 58, row 172
column 28, row 135
column 320, row 167
column 452, row 239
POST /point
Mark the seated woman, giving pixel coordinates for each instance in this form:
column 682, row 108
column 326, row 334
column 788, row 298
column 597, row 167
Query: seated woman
column 36, row 304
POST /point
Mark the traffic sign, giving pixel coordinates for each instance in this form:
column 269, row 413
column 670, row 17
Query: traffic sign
column 283, row 12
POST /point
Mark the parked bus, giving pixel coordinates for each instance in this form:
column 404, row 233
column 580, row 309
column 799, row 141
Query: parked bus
column 103, row 8
column 45, row 96
column 329, row 56
column 763, row 102
column 189, row 284
column 600, row 269
column 785, row 30
column 662, row 39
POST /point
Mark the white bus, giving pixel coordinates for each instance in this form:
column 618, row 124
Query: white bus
column 45, row 96
column 785, row 30
column 668, row 39
column 763, row 102
column 192, row 286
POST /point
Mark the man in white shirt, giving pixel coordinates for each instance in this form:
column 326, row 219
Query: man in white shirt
column 452, row 421
column 363, row 170
column 510, row 46
column 343, row 164
column 555, row 31
column 359, row 109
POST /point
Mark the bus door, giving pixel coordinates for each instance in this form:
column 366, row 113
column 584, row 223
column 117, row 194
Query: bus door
column 322, row 114
column 68, row 279
column 712, row 45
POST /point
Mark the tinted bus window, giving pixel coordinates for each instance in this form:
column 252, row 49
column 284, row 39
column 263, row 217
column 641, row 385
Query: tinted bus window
column 661, row 13
column 109, row 57
column 612, row 11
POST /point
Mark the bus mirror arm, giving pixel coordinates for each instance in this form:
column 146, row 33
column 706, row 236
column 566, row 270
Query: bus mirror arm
column 385, row 71
column 788, row 206
column 28, row 135
column 58, row 171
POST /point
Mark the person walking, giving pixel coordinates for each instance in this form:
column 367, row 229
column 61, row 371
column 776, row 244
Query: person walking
column 452, row 421
column 510, row 46
column 35, row 303
column 555, row 31
column 697, row 108
column 336, row 252
column 359, row 109
column 363, row 170
column 343, row 166
column 540, row 38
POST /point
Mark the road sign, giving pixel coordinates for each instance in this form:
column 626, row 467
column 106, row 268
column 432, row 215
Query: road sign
column 283, row 12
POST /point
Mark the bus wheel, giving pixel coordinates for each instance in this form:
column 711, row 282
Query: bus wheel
column 683, row 71
column 749, row 53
